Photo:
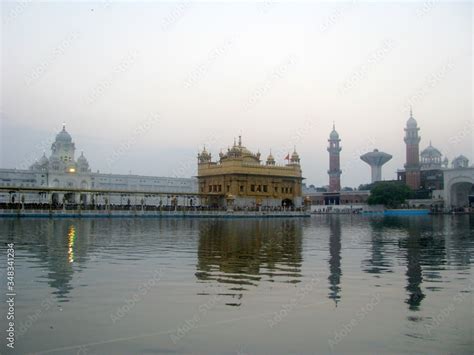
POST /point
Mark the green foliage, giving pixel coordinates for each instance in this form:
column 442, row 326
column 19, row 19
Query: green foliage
column 389, row 194
column 365, row 187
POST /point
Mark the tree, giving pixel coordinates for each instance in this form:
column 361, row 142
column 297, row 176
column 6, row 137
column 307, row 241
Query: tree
column 365, row 187
column 389, row 194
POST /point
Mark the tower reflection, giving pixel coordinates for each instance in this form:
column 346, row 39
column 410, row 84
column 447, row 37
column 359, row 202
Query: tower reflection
column 239, row 254
column 335, row 271
column 379, row 261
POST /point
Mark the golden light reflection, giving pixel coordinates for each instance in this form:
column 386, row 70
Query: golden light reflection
column 71, row 237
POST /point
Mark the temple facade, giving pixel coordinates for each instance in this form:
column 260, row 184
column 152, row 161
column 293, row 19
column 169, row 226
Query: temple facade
column 239, row 179
column 62, row 170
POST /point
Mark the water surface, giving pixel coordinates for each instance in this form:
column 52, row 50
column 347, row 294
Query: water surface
column 340, row 284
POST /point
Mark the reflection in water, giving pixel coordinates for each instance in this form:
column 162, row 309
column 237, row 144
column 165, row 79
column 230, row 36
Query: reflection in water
column 335, row 272
column 241, row 253
column 424, row 252
column 420, row 263
column 424, row 248
column 71, row 238
column 57, row 244
column 379, row 261
column 414, row 272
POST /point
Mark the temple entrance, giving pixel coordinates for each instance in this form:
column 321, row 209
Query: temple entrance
column 55, row 199
column 458, row 188
column 83, row 199
column 287, row 203
column 460, row 194
column 70, row 197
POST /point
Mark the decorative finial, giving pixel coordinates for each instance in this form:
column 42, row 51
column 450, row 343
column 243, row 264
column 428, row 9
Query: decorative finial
column 411, row 112
column 234, row 142
column 294, row 148
column 333, row 125
column 430, row 143
column 64, row 126
column 240, row 140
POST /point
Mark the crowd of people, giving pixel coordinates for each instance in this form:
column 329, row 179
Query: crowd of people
column 132, row 207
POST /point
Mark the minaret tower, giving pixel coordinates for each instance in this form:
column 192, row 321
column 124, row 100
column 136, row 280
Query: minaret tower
column 412, row 141
column 334, row 161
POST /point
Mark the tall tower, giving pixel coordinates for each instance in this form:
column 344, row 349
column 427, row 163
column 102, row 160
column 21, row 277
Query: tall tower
column 334, row 161
column 412, row 165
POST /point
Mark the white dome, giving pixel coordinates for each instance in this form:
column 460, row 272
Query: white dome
column 63, row 136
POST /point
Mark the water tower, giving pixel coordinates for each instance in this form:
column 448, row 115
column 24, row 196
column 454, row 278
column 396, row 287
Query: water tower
column 376, row 159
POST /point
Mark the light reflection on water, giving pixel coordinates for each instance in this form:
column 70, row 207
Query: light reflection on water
column 230, row 278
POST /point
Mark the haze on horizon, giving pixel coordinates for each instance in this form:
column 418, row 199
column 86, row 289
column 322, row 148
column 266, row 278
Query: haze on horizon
column 143, row 86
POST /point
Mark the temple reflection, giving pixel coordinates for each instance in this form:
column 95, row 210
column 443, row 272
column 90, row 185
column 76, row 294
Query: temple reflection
column 71, row 239
column 61, row 247
column 239, row 254
column 335, row 271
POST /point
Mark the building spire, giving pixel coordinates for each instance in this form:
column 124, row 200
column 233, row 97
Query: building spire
column 64, row 126
column 240, row 140
column 333, row 125
column 411, row 111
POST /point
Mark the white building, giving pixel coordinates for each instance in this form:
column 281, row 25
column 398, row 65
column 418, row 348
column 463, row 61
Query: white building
column 62, row 170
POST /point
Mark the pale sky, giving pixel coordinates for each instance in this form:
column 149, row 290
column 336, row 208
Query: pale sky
column 142, row 86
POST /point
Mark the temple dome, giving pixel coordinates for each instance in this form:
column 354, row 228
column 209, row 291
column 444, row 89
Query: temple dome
column 431, row 151
column 63, row 136
column 43, row 160
column 82, row 159
column 295, row 156
column 270, row 159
